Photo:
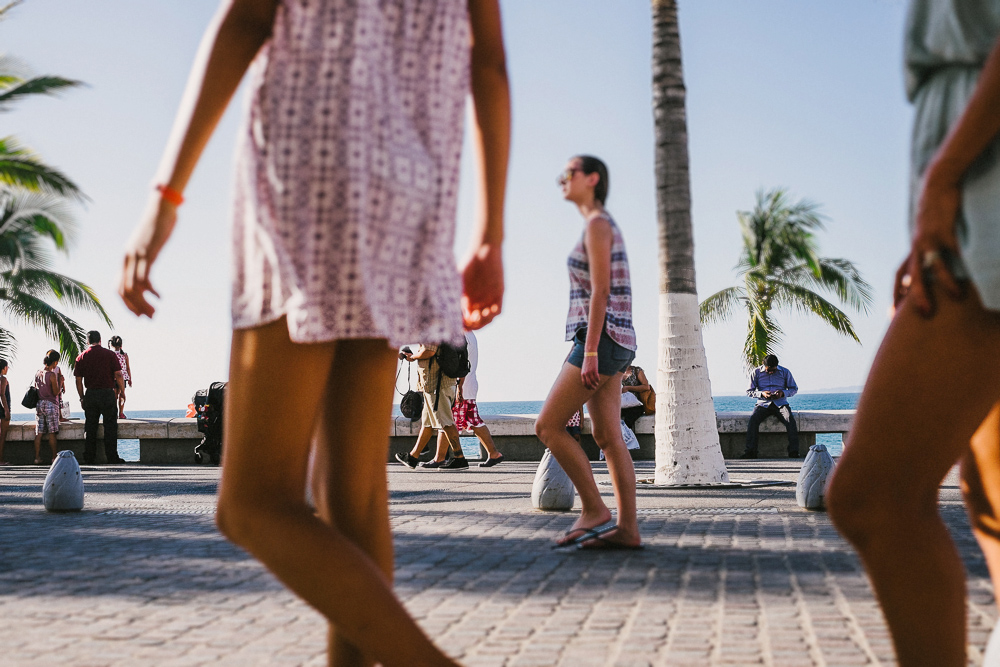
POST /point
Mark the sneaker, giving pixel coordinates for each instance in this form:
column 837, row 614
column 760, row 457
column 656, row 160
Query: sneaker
column 489, row 463
column 748, row 455
column 434, row 465
column 455, row 464
column 407, row 460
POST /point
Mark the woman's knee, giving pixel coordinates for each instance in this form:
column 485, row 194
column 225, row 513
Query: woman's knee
column 545, row 428
column 246, row 518
column 863, row 510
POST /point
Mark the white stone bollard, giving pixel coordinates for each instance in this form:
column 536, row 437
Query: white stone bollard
column 63, row 488
column 552, row 490
column 810, row 491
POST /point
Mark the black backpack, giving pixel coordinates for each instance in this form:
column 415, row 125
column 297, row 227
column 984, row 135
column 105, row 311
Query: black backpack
column 453, row 361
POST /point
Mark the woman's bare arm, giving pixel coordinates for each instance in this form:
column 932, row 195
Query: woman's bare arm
column 597, row 240
column 941, row 193
column 230, row 44
column 482, row 271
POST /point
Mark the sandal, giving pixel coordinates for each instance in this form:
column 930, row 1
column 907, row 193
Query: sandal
column 38, row 462
column 588, row 534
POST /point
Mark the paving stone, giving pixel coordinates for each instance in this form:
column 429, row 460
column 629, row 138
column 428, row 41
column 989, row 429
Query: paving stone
column 474, row 566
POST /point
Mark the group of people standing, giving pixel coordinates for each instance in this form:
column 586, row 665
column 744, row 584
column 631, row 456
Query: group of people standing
column 345, row 204
column 102, row 370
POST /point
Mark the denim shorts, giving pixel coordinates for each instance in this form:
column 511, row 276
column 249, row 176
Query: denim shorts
column 611, row 357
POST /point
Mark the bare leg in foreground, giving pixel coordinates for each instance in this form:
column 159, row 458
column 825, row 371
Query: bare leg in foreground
column 564, row 399
column 930, row 388
column 334, row 561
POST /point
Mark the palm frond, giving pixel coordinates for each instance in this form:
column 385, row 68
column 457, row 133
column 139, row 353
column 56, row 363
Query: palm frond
column 39, row 283
column 21, row 167
column 37, row 313
column 37, row 214
column 720, row 306
column 763, row 336
column 804, row 300
column 8, row 345
column 838, row 276
column 39, row 85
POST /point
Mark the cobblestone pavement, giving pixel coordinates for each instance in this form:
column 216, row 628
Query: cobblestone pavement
column 728, row 577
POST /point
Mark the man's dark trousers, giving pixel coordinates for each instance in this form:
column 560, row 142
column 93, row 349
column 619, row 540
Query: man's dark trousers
column 99, row 403
column 784, row 414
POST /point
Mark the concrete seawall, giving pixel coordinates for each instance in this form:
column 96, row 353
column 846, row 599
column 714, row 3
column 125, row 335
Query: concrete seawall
column 172, row 441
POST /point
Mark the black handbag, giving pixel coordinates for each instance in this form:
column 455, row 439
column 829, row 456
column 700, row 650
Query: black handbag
column 30, row 399
column 411, row 405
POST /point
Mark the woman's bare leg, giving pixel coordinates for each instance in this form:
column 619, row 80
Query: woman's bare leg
column 351, row 448
column 563, row 401
column 981, row 488
column 931, row 386
column 605, row 416
column 262, row 495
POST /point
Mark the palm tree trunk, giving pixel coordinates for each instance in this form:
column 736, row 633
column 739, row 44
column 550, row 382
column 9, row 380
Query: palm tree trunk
column 687, row 440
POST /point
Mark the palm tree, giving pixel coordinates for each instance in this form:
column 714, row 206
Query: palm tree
column 34, row 219
column 687, row 438
column 780, row 269
column 30, row 225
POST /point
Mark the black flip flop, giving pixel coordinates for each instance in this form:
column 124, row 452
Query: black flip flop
column 588, row 534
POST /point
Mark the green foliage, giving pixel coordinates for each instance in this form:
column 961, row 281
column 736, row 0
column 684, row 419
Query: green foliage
column 34, row 222
column 781, row 269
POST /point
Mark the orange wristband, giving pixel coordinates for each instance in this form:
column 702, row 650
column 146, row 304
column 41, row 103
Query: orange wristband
column 170, row 194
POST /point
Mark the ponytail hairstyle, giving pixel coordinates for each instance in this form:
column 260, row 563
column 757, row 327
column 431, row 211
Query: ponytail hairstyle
column 116, row 342
column 51, row 357
column 589, row 165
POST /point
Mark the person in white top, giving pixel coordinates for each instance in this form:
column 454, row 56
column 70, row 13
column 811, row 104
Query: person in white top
column 465, row 411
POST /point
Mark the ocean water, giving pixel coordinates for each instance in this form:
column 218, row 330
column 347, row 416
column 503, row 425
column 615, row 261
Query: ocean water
column 129, row 449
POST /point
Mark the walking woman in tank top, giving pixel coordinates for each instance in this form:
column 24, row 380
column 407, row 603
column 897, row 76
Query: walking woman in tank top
column 343, row 249
column 600, row 325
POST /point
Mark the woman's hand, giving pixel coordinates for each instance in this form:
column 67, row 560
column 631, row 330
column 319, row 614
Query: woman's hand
column 482, row 286
column 933, row 242
column 588, row 373
column 140, row 253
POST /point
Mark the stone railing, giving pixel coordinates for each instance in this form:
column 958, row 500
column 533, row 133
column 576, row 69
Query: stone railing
column 172, row 441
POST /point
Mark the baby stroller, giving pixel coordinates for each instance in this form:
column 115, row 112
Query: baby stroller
column 208, row 405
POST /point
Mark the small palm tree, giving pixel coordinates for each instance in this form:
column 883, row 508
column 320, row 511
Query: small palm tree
column 30, row 225
column 781, row 270
column 34, row 220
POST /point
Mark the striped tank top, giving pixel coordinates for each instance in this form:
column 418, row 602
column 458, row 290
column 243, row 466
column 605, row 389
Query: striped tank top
column 618, row 317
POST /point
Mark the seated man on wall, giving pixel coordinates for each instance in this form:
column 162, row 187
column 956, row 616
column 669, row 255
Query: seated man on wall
column 772, row 385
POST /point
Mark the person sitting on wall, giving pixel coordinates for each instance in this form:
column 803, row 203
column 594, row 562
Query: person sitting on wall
column 772, row 385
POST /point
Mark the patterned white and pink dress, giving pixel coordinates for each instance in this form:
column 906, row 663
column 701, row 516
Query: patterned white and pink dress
column 347, row 172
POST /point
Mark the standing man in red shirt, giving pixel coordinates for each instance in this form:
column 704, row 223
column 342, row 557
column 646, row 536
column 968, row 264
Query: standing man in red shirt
column 100, row 369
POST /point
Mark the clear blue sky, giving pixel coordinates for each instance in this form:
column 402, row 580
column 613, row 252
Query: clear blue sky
column 803, row 95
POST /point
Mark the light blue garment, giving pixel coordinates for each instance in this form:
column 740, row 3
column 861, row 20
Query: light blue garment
column 947, row 43
column 761, row 381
